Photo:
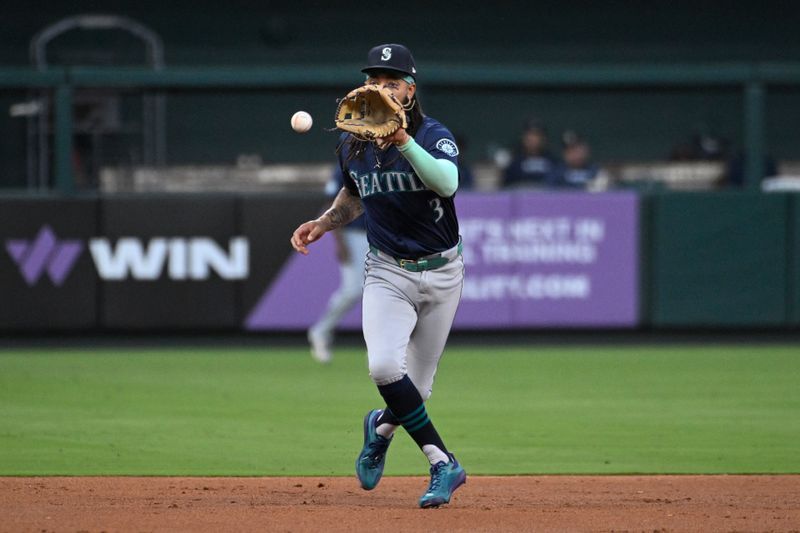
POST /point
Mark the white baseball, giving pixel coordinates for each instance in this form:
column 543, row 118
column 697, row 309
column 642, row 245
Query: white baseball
column 301, row 122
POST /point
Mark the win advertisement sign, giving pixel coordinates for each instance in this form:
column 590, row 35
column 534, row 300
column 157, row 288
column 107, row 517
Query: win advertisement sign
column 225, row 263
column 133, row 258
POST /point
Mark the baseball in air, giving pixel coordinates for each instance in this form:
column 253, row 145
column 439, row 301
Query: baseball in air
column 301, row 122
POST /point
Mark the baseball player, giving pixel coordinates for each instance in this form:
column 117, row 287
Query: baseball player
column 351, row 248
column 405, row 184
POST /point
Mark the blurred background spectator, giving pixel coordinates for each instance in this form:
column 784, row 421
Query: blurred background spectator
column 533, row 165
column 735, row 168
column 576, row 170
column 712, row 147
column 701, row 147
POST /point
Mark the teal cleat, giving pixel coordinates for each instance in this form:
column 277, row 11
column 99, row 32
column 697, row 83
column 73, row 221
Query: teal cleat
column 445, row 479
column 369, row 465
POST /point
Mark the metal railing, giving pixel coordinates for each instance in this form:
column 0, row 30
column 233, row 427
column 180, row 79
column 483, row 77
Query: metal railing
column 153, row 107
column 753, row 79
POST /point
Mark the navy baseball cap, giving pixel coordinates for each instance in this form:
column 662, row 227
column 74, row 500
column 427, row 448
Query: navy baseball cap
column 395, row 57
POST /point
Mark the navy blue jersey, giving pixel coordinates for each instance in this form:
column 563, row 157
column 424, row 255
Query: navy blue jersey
column 333, row 187
column 405, row 219
column 530, row 171
column 565, row 176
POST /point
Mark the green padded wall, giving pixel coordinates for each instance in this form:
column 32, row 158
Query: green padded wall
column 794, row 261
column 719, row 259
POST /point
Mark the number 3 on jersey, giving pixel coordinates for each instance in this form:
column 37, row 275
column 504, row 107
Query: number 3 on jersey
column 436, row 204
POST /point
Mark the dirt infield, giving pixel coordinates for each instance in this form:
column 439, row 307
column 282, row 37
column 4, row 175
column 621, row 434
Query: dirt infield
column 531, row 503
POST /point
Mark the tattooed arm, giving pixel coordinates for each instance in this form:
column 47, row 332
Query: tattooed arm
column 346, row 207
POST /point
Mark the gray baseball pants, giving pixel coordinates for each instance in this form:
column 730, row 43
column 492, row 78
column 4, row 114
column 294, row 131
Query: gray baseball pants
column 407, row 318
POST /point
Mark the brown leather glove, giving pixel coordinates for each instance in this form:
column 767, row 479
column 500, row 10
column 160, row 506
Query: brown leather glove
column 370, row 112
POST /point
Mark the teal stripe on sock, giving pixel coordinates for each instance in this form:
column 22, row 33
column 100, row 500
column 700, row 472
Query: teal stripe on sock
column 422, row 424
column 413, row 421
column 411, row 416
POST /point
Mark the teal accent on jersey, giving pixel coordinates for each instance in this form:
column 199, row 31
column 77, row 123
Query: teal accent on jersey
column 440, row 175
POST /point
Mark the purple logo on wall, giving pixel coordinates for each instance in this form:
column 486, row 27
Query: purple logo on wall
column 532, row 260
column 44, row 254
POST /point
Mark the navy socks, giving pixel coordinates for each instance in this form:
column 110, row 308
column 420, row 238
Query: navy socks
column 406, row 408
column 387, row 417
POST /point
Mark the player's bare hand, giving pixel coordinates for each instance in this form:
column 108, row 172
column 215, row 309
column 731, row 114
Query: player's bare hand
column 305, row 234
column 399, row 138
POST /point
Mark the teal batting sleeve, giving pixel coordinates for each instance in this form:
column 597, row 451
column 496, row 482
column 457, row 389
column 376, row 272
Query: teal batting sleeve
column 439, row 175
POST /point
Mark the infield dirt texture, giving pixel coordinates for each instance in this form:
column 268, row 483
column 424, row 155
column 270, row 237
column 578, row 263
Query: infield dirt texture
column 279, row 434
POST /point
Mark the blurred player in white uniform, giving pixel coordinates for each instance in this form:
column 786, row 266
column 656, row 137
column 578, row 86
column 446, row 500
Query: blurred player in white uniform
column 351, row 249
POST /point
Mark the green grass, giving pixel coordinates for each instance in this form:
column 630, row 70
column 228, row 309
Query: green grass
column 698, row 409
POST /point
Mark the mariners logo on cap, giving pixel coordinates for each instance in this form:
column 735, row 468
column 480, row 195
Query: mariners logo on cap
column 386, row 54
column 448, row 147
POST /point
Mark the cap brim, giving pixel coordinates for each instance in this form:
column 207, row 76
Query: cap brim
column 367, row 70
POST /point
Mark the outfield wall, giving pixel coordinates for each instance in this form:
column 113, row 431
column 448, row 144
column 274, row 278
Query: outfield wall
column 723, row 260
column 534, row 260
